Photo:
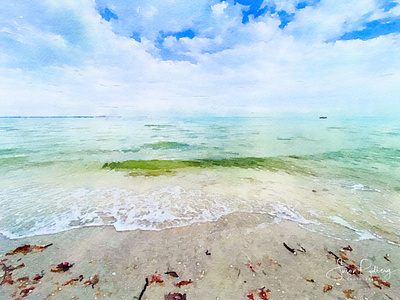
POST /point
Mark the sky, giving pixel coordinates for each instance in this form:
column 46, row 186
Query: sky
column 126, row 57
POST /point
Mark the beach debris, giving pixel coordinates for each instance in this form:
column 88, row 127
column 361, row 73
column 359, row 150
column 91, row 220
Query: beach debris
column 289, row 249
column 348, row 248
column 38, row 277
column 172, row 274
column 144, row 288
column 175, row 296
column 274, row 264
column 250, row 296
column 262, row 293
column 337, row 258
column 387, row 257
column 94, row 280
column 327, row 287
column 63, row 267
column 183, row 282
column 156, row 278
column 27, row 249
column 378, row 282
column 69, row 282
column 208, row 253
column 352, row 269
column 7, row 279
column 349, row 293
column 342, row 255
column 23, row 282
column 6, row 268
column 26, row 292
column 310, row 280
column 252, row 266
column 301, row 249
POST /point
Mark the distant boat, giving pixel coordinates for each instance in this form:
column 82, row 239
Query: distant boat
column 323, row 117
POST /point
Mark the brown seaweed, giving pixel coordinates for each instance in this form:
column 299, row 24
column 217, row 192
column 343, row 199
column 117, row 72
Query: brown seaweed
column 156, row 278
column 63, row 267
column 24, row 281
column 337, row 258
column 348, row 248
column 175, row 296
column 7, row 279
column 342, row 255
column 38, row 276
column 327, row 287
column 290, row 249
column 250, row 294
column 352, row 269
column 251, row 266
column 26, row 292
column 95, row 279
column 349, row 293
column 263, row 294
column 378, row 282
column 69, row 282
column 183, row 282
column 27, row 249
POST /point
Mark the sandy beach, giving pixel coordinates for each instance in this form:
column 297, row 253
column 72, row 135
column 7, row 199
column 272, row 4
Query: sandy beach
column 241, row 256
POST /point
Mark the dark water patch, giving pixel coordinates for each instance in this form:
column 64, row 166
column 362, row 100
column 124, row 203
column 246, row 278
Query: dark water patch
column 9, row 151
column 130, row 150
column 335, row 128
column 165, row 145
column 163, row 167
column 158, row 125
column 8, row 129
column 375, row 154
column 284, row 138
column 393, row 133
column 372, row 166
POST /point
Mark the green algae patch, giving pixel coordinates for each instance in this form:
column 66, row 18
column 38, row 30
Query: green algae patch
column 169, row 167
column 151, row 164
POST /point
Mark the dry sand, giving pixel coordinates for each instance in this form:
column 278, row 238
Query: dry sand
column 246, row 254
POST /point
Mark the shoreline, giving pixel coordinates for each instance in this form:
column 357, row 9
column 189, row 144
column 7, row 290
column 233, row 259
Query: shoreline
column 246, row 253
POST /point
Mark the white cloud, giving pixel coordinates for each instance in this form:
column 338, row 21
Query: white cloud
column 254, row 65
column 218, row 9
column 330, row 19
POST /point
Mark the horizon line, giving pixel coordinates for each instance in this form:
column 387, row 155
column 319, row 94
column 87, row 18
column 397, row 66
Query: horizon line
column 57, row 117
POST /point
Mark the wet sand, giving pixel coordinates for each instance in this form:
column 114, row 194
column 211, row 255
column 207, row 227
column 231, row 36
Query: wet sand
column 246, row 256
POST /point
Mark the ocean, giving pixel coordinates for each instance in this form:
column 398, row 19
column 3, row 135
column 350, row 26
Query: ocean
column 338, row 176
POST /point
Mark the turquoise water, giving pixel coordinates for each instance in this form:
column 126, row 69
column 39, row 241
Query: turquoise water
column 56, row 172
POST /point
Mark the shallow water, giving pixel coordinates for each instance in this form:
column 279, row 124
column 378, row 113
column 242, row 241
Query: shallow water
column 338, row 176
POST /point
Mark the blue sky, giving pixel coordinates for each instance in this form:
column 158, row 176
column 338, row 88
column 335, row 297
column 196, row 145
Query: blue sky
column 123, row 57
